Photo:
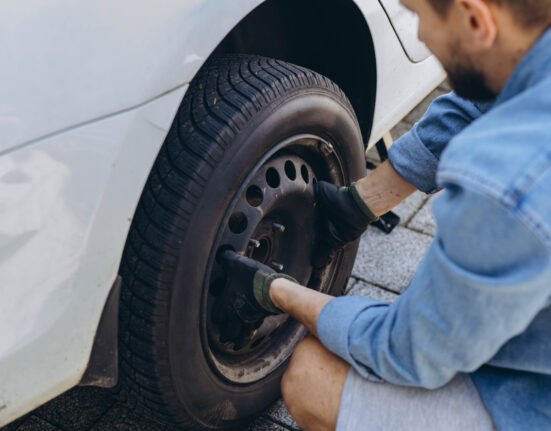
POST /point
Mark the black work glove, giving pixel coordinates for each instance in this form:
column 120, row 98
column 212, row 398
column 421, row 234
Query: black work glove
column 345, row 218
column 246, row 298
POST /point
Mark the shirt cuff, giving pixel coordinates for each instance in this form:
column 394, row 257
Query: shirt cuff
column 335, row 320
column 414, row 161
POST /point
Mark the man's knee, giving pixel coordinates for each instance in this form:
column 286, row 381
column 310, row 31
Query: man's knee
column 314, row 378
column 295, row 379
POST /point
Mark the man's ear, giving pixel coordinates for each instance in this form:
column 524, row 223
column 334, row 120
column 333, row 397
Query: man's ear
column 478, row 23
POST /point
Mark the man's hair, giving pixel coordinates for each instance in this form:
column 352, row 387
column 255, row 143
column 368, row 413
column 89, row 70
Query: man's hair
column 529, row 12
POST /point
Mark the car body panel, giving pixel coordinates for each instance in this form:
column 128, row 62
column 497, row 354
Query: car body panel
column 80, row 134
column 405, row 24
column 69, row 202
column 110, row 70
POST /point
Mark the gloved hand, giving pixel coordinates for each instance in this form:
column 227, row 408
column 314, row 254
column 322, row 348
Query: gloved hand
column 246, row 298
column 345, row 218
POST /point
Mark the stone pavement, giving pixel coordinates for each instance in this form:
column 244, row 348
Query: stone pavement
column 384, row 266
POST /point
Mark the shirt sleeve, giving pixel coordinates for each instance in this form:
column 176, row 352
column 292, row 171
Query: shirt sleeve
column 415, row 155
column 485, row 278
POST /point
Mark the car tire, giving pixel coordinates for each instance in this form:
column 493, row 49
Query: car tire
column 244, row 121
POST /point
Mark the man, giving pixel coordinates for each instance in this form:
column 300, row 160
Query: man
column 468, row 345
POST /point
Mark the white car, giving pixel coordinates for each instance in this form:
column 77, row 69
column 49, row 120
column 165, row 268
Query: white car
column 141, row 138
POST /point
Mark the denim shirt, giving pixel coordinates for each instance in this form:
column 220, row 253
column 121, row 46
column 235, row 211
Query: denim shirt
column 479, row 303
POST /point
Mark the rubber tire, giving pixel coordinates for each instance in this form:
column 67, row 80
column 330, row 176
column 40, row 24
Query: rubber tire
column 236, row 109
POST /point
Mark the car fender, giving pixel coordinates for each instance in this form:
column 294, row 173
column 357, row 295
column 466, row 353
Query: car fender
column 86, row 60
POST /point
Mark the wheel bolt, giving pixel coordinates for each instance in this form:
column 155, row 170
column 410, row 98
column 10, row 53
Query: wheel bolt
column 277, row 266
column 277, row 227
column 326, row 148
column 254, row 243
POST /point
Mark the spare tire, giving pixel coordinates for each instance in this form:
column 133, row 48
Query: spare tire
column 236, row 171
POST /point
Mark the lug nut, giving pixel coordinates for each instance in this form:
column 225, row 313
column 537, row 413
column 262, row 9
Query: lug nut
column 277, row 227
column 277, row 266
column 254, row 243
column 326, row 148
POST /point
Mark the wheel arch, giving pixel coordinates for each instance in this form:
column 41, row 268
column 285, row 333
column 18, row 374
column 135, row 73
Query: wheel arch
column 330, row 37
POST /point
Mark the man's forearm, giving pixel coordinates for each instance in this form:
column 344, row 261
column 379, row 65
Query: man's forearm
column 302, row 303
column 383, row 189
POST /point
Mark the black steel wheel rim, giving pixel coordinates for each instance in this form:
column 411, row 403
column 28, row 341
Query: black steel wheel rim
column 272, row 219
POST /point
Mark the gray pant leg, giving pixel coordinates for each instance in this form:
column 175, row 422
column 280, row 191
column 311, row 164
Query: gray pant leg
column 370, row 406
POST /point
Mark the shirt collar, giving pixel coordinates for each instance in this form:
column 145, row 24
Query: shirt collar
column 533, row 68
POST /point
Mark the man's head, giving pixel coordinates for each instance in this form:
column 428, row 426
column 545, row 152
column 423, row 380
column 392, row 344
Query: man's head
column 480, row 42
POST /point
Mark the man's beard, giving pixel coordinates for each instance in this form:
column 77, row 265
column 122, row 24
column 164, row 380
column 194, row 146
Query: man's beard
column 467, row 81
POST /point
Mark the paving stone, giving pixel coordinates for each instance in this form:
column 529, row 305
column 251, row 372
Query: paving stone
column 34, row 423
column 77, row 409
column 424, row 219
column 390, row 260
column 121, row 418
column 265, row 425
column 279, row 414
column 351, row 282
column 362, row 288
column 12, row 426
column 410, row 206
column 445, row 86
column 372, row 156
